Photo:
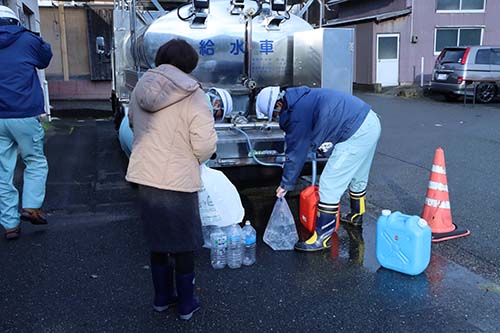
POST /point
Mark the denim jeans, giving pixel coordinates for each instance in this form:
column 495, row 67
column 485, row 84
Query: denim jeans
column 25, row 134
column 350, row 162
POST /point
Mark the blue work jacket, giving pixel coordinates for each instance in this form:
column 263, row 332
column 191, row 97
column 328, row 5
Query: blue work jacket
column 21, row 52
column 312, row 116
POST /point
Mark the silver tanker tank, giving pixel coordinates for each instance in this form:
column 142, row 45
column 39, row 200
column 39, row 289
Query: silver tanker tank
column 240, row 53
column 221, row 45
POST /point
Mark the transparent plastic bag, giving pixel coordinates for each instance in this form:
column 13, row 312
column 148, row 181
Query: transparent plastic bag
column 219, row 201
column 281, row 233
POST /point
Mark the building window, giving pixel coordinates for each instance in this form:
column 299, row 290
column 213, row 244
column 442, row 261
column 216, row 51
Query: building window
column 27, row 17
column 449, row 37
column 460, row 5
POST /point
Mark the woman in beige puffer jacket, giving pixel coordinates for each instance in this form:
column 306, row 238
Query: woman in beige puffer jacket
column 173, row 131
column 173, row 134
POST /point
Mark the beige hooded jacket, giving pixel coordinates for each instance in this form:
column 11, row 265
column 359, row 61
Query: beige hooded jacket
column 173, row 130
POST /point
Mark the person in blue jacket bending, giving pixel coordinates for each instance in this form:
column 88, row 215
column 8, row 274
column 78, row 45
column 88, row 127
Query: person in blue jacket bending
column 334, row 124
column 21, row 101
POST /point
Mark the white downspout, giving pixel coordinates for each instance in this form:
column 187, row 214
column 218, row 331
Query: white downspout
column 411, row 22
column 46, row 99
column 422, row 69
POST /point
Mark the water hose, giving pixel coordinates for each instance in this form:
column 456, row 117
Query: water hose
column 314, row 168
column 251, row 151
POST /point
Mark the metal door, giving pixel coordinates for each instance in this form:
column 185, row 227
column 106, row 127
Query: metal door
column 388, row 59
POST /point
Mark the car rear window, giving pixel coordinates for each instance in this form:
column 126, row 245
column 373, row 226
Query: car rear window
column 452, row 55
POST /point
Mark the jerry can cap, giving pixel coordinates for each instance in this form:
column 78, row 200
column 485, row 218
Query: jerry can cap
column 422, row 223
column 386, row 212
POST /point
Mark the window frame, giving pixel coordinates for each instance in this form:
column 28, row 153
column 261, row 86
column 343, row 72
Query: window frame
column 458, row 39
column 450, row 11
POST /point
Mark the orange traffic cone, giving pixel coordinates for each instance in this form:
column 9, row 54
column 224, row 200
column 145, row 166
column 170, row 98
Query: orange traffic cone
column 437, row 211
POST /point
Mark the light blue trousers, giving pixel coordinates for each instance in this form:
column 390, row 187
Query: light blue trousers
column 25, row 134
column 350, row 162
column 126, row 136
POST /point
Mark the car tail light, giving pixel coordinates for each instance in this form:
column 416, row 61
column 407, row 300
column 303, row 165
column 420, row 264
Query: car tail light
column 460, row 79
column 466, row 54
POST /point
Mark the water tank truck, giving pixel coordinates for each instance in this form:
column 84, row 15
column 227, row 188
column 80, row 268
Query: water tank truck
column 243, row 46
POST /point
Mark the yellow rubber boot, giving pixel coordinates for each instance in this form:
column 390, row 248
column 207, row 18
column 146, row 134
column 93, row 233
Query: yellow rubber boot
column 355, row 217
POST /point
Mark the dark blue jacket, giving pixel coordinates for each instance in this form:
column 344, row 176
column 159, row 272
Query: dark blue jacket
column 21, row 52
column 312, row 116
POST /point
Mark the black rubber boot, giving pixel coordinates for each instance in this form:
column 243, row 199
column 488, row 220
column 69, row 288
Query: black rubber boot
column 326, row 223
column 163, row 281
column 188, row 303
column 355, row 217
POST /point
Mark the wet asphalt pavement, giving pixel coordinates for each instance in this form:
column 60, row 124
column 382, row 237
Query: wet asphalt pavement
column 88, row 270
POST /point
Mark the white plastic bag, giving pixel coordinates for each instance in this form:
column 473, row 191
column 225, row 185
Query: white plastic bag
column 281, row 233
column 219, row 200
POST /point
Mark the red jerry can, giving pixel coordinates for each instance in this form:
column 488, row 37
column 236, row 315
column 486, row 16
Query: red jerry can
column 309, row 198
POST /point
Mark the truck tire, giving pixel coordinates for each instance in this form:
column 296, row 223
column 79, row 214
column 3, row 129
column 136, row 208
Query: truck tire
column 486, row 92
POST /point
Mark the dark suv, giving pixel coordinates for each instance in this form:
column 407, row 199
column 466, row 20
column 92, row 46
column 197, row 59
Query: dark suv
column 457, row 66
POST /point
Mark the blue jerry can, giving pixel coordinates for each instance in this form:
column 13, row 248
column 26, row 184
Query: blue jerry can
column 403, row 242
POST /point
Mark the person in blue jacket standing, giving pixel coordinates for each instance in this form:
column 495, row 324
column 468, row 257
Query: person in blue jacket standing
column 21, row 101
column 334, row 124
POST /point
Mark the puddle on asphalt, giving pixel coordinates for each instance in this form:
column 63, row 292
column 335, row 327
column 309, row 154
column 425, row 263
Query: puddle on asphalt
column 349, row 244
column 490, row 287
column 355, row 247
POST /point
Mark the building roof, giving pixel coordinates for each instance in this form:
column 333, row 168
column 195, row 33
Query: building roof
column 377, row 18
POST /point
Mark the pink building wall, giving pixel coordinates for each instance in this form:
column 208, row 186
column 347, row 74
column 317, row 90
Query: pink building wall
column 425, row 21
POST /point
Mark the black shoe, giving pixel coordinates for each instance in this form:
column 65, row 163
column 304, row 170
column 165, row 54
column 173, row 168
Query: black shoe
column 13, row 233
column 34, row 215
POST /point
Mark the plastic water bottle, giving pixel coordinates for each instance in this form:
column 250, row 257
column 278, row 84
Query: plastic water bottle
column 234, row 246
column 250, row 237
column 218, row 248
column 207, row 231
